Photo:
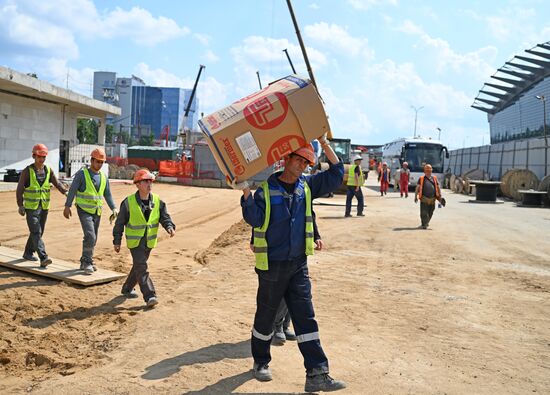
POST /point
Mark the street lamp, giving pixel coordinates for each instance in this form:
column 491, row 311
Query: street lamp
column 439, row 133
column 542, row 98
column 416, row 116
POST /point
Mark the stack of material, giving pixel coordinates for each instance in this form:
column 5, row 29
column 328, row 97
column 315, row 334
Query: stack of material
column 545, row 186
column 518, row 179
column 122, row 172
column 473, row 174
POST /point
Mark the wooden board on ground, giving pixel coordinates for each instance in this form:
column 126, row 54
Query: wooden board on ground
column 58, row 269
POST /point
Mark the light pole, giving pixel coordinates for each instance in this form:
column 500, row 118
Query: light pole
column 416, row 109
column 543, row 99
column 439, row 133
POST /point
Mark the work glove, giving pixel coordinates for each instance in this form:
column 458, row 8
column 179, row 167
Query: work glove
column 113, row 216
column 239, row 185
column 416, row 199
column 21, row 211
column 443, row 202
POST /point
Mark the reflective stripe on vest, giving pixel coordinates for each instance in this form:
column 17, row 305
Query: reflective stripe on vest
column 351, row 176
column 421, row 183
column 136, row 226
column 91, row 200
column 260, row 242
column 35, row 193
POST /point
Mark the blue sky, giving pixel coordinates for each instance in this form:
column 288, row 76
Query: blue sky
column 372, row 59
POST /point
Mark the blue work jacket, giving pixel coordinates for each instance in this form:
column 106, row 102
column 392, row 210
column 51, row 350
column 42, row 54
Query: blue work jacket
column 286, row 231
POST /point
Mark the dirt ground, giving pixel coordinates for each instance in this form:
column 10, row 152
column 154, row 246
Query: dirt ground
column 460, row 308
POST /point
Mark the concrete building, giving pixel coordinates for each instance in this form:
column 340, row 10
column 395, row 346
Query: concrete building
column 34, row 111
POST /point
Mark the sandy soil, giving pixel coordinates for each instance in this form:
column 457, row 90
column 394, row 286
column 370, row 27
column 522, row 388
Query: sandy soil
column 460, row 308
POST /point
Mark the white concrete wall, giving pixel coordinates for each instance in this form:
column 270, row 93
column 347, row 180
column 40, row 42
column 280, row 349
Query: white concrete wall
column 26, row 122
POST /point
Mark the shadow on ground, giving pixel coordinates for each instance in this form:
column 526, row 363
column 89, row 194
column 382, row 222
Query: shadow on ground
column 213, row 353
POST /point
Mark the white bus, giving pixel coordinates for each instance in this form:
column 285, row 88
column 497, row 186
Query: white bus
column 416, row 151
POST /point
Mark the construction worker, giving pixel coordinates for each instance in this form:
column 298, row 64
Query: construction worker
column 281, row 327
column 356, row 179
column 427, row 191
column 89, row 187
column 384, row 178
column 33, row 200
column 280, row 212
column 404, row 175
column 139, row 218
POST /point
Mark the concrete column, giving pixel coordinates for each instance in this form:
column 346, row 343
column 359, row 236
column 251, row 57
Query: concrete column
column 101, row 132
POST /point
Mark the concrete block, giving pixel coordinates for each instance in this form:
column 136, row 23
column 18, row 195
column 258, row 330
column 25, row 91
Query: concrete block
column 206, row 183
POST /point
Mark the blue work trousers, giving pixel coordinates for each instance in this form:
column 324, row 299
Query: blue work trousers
column 288, row 280
column 350, row 193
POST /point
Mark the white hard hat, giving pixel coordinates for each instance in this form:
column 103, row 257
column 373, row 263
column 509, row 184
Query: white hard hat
column 357, row 157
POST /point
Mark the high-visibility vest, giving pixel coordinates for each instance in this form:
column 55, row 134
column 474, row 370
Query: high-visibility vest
column 260, row 242
column 351, row 176
column 35, row 193
column 421, row 183
column 136, row 226
column 91, row 200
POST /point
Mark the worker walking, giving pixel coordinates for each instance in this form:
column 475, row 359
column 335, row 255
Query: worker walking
column 427, row 191
column 356, row 179
column 33, row 200
column 384, row 178
column 404, row 175
column 139, row 218
column 89, row 187
column 281, row 214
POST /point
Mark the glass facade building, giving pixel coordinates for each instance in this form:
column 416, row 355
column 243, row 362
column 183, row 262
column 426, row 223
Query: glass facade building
column 516, row 98
column 146, row 109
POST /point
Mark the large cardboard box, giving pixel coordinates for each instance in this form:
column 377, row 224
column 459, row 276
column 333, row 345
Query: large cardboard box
column 253, row 133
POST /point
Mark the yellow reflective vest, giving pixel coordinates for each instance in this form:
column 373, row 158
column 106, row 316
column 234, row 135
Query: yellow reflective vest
column 136, row 226
column 260, row 241
column 91, row 200
column 351, row 176
column 35, row 193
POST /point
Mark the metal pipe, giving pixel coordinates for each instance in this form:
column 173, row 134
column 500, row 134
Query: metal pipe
column 289, row 61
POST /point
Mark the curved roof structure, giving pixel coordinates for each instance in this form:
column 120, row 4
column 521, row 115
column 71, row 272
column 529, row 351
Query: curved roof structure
column 518, row 75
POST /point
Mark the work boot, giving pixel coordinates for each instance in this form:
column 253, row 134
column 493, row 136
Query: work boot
column 87, row 268
column 45, row 262
column 152, row 301
column 262, row 372
column 30, row 258
column 316, row 382
column 289, row 334
column 347, row 215
column 361, row 215
column 94, row 267
column 278, row 338
column 130, row 294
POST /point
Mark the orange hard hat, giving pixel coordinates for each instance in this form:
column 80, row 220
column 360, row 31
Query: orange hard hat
column 99, row 154
column 306, row 153
column 143, row 174
column 40, row 150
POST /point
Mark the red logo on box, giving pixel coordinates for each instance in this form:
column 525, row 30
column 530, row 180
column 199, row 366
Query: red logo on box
column 263, row 115
column 237, row 167
column 213, row 122
column 283, row 147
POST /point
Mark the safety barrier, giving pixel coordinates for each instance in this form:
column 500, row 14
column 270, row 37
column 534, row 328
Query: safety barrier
column 171, row 168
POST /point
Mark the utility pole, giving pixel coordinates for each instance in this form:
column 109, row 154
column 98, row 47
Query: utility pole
column 416, row 116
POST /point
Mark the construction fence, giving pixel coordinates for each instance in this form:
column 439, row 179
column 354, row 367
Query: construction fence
column 496, row 159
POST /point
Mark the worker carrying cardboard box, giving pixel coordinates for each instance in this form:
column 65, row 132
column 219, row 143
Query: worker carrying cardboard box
column 33, row 200
column 281, row 213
